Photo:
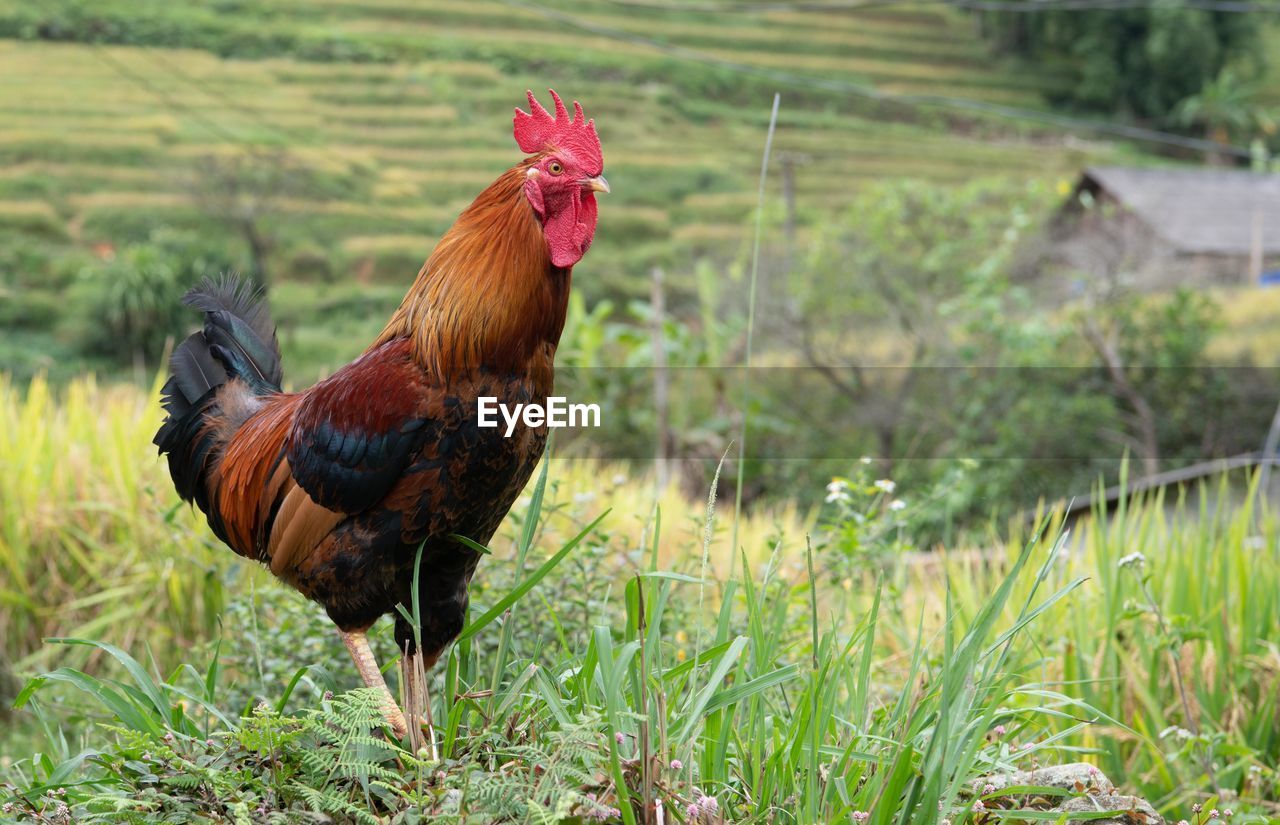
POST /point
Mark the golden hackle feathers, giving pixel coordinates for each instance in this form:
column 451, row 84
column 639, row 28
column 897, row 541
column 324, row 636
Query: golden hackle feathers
column 488, row 296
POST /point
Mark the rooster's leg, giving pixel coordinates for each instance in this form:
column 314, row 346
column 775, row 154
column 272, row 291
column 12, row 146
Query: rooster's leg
column 417, row 701
column 358, row 643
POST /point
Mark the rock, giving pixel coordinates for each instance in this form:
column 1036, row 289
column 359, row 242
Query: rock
column 452, row 801
column 1076, row 777
column 1091, row 791
column 1137, row 811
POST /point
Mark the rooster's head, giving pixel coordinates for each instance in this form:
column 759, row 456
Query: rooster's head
column 563, row 176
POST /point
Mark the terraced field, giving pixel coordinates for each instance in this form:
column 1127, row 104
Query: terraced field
column 97, row 134
column 109, row 108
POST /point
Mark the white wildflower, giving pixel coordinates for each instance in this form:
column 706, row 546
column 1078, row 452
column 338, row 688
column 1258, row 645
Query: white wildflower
column 897, row 504
column 1132, row 560
column 884, row 485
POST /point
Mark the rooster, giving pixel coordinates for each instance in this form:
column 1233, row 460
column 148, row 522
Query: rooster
column 337, row 488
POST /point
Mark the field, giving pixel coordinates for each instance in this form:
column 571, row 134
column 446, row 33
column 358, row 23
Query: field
column 399, row 114
column 637, row 661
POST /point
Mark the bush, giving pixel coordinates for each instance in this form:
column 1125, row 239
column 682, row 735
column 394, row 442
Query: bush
column 28, row 309
column 312, row 263
column 128, row 305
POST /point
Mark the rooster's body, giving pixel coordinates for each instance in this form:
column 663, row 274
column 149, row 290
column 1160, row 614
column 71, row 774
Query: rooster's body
column 335, row 488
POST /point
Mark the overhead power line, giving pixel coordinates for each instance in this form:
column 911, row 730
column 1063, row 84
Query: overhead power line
column 1036, row 6
column 982, row 107
column 1015, row 6
column 288, row 136
column 163, row 96
column 215, row 128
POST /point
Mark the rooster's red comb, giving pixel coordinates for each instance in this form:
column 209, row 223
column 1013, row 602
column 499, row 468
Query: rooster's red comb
column 537, row 130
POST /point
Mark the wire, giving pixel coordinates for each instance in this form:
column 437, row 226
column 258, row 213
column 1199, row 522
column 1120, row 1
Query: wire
column 1034, row 6
column 1120, row 130
column 1016, row 6
column 251, row 149
column 288, row 136
column 208, row 89
column 167, row 99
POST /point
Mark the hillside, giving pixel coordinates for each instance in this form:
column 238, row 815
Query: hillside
column 413, row 103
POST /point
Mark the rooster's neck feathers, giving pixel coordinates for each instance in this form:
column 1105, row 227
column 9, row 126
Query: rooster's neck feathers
column 489, row 296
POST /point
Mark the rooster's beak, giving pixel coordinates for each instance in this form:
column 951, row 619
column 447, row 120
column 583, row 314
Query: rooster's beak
column 596, row 184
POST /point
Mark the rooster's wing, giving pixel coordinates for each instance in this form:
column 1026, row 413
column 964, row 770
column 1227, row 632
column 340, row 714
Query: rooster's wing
column 355, row 433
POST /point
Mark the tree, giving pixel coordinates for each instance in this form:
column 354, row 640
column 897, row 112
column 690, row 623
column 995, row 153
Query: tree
column 1226, row 107
column 1140, row 62
column 126, row 306
column 247, row 192
column 895, row 282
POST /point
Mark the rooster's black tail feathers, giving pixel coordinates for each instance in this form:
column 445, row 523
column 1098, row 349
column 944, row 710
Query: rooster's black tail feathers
column 238, row 341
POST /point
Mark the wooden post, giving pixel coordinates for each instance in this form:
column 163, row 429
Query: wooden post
column 789, row 161
column 789, row 197
column 1255, row 249
column 661, row 387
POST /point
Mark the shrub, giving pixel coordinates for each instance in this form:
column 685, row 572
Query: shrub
column 28, row 308
column 127, row 306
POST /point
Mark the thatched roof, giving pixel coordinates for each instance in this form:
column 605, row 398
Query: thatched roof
column 1197, row 210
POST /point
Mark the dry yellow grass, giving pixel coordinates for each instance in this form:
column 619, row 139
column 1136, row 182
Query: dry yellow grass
column 91, row 530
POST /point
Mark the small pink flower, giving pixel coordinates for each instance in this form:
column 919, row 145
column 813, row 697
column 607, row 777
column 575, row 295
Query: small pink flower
column 1093, row 770
column 709, row 805
column 988, row 789
column 677, row 765
column 861, row 816
column 1228, row 812
column 1213, row 814
column 619, row 737
column 999, row 730
column 979, row 805
column 693, row 811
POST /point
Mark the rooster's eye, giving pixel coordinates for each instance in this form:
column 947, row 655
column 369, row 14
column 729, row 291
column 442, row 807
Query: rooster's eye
column 554, row 167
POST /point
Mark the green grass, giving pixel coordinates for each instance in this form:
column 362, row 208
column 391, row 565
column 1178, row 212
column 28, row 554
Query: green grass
column 803, row 690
